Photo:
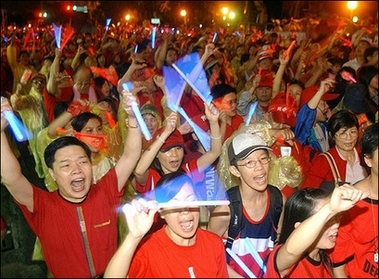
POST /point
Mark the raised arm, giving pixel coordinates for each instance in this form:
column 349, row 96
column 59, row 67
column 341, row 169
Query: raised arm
column 209, row 157
column 149, row 154
column 139, row 220
column 133, row 143
column 342, row 199
column 325, row 86
column 11, row 174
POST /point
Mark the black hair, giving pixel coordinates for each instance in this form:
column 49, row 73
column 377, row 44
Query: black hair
column 220, row 90
column 299, row 207
column 366, row 74
column 79, row 121
column 342, row 119
column 369, row 140
column 53, row 147
column 297, row 82
column 169, row 185
column 369, row 52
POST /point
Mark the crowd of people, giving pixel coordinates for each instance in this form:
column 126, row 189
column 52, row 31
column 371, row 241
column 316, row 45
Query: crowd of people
column 285, row 125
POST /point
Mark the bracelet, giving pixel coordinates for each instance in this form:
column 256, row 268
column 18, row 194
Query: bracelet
column 160, row 139
column 129, row 126
column 215, row 138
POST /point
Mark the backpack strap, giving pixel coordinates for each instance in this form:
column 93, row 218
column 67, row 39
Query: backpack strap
column 276, row 208
column 235, row 215
column 276, row 203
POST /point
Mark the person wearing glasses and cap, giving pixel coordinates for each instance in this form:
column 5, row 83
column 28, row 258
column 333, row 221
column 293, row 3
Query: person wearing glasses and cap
column 249, row 158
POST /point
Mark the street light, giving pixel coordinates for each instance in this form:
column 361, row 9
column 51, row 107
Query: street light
column 352, row 5
column 183, row 13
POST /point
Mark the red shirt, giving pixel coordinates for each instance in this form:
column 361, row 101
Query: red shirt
column 157, row 256
column 57, row 224
column 305, row 268
column 237, row 120
column 357, row 240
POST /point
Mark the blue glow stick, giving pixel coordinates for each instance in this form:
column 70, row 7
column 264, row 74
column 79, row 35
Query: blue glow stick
column 255, row 255
column 57, row 34
column 205, row 100
column 153, row 34
column 203, row 137
column 139, row 118
column 136, row 48
column 214, row 37
column 252, row 109
column 19, row 130
column 240, row 263
column 107, row 22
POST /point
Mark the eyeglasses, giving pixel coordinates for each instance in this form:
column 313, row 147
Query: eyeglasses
column 252, row 164
column 231, row 102
column 344, row 135
column 38, row 82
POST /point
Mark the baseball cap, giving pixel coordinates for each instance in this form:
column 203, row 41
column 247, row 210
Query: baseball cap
column 38, row 76
column 143, row 74
column 175, row 139
column 310, row 91
column 243, row 145
column 266, row 52
column 283, row 109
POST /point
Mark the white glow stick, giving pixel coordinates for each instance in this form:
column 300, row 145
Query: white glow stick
column 108, row 21
column 214, row 37
column 191, row 84
column 58, row 35
column 139, row 118
column 153, row 34
column 255, row 255
column 19, row 130
column 240, row 263
column 192, row 203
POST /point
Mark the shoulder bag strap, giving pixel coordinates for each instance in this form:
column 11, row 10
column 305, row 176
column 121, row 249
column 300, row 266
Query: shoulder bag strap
column 333, row 166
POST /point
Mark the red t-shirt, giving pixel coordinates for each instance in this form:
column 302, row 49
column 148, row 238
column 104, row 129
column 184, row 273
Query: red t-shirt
column 305, row 268
column 237, row 120
column 50, row 101
column 157, row 256
column 357, row 239
column 57, row 224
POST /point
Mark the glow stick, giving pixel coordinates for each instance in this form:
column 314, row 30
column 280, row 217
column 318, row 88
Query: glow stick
column 240, row 263
column 18, row 128
column 255, row 255
column 205, row 100
column 57, row 33
column 139, row 118
column 153, row 34
column 252, row 109
column 288, row 51
column 107, row 22
column 214, row 37
column 348, row 76
column 189, row 203
column 136, row 48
